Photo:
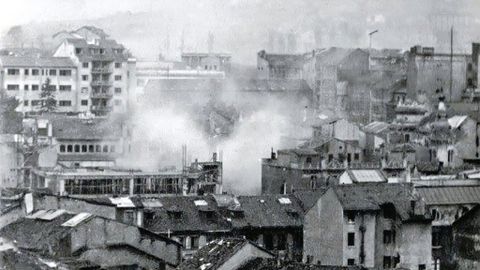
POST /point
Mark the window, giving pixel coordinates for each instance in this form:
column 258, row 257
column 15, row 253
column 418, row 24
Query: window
column 65, row 103
column 85, row 64
column 105, row 148
column 450, row 155
column 422, row 267
column 26, row 71
column 112, row 148
column 84, row 148
column 84, row 102
column 13, row 87
column 206, row 67
column 62, row 148
column 407, row 137
column 11, row 71
column 65, row 88
column 118, row 90
column 35, row 87
column 436, row 239
column 84, row 90
column 98, row 148
column 469, row 67
column 387, row 262
column 351, row 262
column 78, row 50
column 388, row 237
column 35, row 72
column 91, row 148
column 69, row 148
column 118, row 102
column 25, row 87
column 52, row 72
column 25, row 103
column 118, row 77
column 356, row 156
column 129, row 217
column 35, row 102
column 77, row 148
column 102, row 51
column 351, row 239
column 195, row 242
column 350, row 216
column 118, row 65
column 84, row 77
column 65, row 72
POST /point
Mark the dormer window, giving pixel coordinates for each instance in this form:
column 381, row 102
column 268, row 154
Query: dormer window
column 78, row 50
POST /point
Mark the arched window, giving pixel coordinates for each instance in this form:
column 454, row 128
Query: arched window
column 69, row 148
column 62, row 148
column 77, row 148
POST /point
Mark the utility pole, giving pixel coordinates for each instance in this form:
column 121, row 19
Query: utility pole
column 451, row 62
column 370, row 90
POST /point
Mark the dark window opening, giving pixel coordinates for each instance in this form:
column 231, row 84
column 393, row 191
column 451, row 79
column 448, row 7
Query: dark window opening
column 351, row 262
column 62, row 148
column 351, row 239
column 69, row 148
column 77, row 148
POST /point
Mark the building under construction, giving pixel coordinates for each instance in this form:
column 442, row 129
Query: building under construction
column 198, row 178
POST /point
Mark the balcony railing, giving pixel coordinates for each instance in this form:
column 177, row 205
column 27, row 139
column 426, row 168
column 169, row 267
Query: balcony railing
column 100, row 108
column 101, row 70
column 101, row 83
column 96, row 94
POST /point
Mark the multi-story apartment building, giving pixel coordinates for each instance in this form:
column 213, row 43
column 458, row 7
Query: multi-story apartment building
column 373, row 225
column 23, row 78
column 106, row 74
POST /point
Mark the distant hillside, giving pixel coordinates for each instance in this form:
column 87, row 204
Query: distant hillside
column 245, row 27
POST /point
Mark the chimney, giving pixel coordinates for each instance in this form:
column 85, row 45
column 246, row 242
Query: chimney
column 273, row 156
column 214, row 157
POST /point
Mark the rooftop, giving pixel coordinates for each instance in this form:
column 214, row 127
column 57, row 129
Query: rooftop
column 36, row 62
column 444, row 195
column 216, row 253
column 371, row 196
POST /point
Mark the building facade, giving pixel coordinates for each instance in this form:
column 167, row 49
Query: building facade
column 106, row 74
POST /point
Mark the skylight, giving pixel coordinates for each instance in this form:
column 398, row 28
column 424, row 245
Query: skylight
column 200, row 203
column 284, row 201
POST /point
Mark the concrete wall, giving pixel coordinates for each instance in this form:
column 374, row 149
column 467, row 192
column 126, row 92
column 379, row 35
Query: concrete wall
column 99, row 232
column 415, row 245
column 312, row 233
column 331, row 240
column 428, row 73
column 11, row 215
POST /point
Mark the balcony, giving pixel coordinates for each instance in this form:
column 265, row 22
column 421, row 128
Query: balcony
column 100, row 94
column 101, row 70
column 100, row 108
column 101, row 83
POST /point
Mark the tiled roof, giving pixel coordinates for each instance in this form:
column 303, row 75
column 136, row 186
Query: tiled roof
column 45, row 62
column 371, row 196
column 189, row 218
column 333, row 56
column 107, row 44
column 266, row 211
column 274, row 264
column 67, row 127
column 376, row 127
column 309, row 198
column 95, row 30
column 216, row 253
column 450, row 194
column 300, row 151
column 35, row 234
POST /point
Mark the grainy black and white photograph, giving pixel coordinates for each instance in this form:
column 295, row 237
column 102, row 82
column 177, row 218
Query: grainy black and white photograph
column 240, row 135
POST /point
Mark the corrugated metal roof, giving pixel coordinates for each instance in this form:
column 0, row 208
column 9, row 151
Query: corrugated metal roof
column 450, row 194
